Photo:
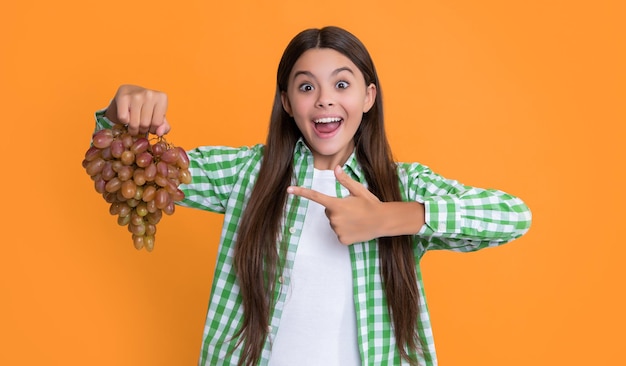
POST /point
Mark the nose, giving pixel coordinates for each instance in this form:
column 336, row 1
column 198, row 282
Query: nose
column 324, row 98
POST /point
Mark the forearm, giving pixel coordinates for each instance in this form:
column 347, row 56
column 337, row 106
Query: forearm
column 401, row 218
column 477, row 214
column 460, row 217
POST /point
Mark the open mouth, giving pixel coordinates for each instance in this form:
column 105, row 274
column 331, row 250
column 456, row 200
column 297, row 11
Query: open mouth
column 327, row 124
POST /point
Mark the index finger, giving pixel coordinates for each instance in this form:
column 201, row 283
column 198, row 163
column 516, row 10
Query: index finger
column 312, row 195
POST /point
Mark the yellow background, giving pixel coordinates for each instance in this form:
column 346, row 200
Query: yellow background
column 525, row 96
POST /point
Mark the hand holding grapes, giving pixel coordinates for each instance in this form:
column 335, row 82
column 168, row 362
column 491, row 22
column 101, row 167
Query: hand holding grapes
column 136, row 174
column 141, row 110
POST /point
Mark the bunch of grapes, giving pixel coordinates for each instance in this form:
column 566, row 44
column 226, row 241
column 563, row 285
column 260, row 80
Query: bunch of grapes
column 138, row 177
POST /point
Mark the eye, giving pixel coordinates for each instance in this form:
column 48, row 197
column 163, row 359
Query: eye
column 342, row 84
column 305, row 87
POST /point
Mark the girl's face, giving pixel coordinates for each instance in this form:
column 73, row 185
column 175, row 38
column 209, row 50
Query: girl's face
column 327, row 96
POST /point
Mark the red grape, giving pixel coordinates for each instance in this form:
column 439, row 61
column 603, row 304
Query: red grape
column 138, row 178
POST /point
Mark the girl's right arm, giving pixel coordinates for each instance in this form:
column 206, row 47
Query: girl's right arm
column 142, row 110
column 216, row 171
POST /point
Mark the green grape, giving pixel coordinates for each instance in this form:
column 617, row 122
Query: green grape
column 123, row 220
column 150, row 229
column 139, row 193
column 142, row 209
column 148, row 241
column 138, row 230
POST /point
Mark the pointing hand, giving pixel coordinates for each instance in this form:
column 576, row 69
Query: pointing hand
column 354, row 218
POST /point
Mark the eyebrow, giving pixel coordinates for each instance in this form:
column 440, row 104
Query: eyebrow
column 335, row 72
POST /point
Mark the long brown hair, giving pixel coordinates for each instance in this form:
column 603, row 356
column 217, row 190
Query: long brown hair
column 256, row 256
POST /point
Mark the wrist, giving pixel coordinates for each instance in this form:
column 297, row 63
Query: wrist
column 402, row 218
column 111, row 112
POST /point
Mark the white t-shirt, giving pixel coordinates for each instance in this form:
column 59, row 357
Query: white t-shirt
column 318, row 323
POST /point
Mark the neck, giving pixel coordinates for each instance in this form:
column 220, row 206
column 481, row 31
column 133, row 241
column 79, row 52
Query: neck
column 329, row 162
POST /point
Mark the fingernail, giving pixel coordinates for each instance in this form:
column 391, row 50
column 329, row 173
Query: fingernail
column 290, row 190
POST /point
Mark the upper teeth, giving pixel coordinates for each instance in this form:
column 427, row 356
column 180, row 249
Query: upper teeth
column 328, row 120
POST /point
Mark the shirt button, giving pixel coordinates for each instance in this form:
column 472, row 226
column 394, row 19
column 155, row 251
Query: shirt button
column 280, row 279
column 269, row 328
column 292, row 230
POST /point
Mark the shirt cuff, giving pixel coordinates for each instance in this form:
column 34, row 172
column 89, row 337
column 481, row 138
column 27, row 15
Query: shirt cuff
column 101, row 121
column 442, row 215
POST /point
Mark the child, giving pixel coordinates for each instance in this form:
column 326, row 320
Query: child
column 318, row 261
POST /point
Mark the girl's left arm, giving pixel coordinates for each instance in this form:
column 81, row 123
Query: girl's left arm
column 459, row 217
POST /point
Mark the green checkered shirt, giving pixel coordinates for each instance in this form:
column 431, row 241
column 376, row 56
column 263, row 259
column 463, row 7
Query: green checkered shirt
column 458, row 218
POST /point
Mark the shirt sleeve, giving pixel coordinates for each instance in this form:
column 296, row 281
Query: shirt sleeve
column 101, row 121
column 462, row 218
column 220, row 176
